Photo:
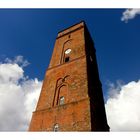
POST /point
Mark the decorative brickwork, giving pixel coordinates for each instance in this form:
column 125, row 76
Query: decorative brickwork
column 71, row 98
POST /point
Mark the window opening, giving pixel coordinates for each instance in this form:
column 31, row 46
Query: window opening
column 91, row 58
column 61, row 102
column 56, row 128
column 67, row 59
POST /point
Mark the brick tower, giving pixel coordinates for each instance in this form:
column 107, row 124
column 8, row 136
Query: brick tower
column 71, row 98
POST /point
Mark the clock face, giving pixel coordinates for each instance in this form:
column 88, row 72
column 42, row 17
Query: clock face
column 67, row 51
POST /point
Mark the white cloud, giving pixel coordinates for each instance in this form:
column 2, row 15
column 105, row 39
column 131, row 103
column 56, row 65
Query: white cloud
column 129, row 14
column 18, row 60
column 122, row 107
column 18, row 95
column 10, row 73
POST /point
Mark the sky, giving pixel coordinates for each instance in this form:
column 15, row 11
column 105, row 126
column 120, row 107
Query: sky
column 27, row 38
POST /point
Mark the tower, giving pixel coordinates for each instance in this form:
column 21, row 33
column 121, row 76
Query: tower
column 71, row 98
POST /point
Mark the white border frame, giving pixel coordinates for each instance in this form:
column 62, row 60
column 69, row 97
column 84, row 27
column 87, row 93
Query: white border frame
column 69, row 3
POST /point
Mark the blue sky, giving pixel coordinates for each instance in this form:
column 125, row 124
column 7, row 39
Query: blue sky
column 32, row 33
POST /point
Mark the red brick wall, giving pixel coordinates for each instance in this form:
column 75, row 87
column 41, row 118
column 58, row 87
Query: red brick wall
column 74, row 116
column 76, row 42
column 76, row 80
column 73, row 80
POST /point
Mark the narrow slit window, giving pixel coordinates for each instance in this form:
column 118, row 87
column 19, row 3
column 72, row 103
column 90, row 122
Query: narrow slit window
column 91, row 59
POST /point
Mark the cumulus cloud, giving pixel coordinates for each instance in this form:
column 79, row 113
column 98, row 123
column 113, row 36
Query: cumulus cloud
column 122, row 106
column 18, row 95
column 129, row 14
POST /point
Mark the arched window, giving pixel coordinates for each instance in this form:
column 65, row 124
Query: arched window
column 61, row 100
column 67, row 55
column 56, row 127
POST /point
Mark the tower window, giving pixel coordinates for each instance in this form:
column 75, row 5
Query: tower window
column 62, row 99
column 91, row 58
column 56, row 128
column 67, row 55
column 67, row 59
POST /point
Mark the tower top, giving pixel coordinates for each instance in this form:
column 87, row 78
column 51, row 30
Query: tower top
column 71, row 29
